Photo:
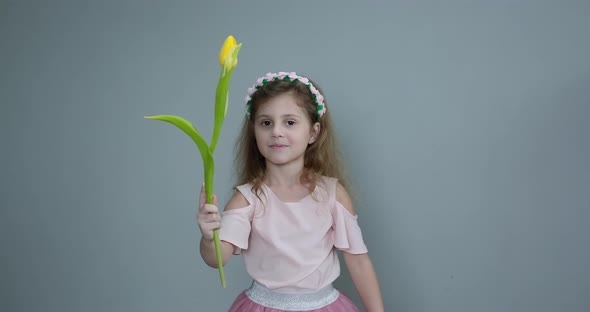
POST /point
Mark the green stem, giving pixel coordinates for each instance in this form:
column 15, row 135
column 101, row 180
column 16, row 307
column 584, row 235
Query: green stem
column 220, row 108
column 217, row 244
column 209, row 185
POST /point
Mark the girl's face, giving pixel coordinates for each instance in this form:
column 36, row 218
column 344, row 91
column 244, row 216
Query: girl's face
column 283, row 130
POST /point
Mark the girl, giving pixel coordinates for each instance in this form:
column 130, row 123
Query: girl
column 291, row 210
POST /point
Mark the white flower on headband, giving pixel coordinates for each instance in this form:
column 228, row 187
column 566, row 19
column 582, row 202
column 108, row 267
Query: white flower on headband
column 288, row 76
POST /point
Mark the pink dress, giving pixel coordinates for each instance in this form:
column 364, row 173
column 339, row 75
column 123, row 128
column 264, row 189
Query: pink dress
column 289, row 249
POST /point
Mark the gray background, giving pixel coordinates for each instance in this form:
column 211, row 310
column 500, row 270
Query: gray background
column 463, row 124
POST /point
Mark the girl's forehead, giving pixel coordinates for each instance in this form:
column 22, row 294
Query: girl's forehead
column 280, row 104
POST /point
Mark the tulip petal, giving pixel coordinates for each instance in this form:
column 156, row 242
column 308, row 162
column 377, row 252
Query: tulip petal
column 226, row 49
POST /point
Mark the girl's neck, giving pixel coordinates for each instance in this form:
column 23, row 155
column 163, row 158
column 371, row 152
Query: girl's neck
column 283, row 176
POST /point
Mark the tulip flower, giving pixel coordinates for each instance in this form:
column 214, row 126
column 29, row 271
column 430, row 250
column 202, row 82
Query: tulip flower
column 228, row 59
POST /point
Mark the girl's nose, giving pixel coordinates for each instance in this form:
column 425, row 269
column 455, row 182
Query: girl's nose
column 277, row 132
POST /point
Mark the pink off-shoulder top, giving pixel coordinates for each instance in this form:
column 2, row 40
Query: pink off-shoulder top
column 290, row 247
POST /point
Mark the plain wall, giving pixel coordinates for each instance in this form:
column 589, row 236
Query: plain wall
column 464, row 125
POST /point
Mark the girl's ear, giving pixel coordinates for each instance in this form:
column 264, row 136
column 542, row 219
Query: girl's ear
column 315, row 132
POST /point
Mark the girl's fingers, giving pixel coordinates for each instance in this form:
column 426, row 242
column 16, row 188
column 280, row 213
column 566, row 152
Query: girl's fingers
column 207, row 229
column 212, row 226
column 208, row 208
column 210, row 217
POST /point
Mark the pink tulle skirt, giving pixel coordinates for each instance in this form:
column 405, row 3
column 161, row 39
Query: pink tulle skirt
column 244, row 303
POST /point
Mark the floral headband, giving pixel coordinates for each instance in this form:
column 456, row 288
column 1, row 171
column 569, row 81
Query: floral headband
column 292, row 77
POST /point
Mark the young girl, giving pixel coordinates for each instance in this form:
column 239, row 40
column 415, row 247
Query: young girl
column 291, row 210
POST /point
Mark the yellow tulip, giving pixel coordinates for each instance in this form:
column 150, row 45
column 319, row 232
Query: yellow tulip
column 227, row 49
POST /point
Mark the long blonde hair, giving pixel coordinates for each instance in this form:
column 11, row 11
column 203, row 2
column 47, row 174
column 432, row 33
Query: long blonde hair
column 322, row 158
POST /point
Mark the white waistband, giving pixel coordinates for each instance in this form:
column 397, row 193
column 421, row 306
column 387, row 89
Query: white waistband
column 292, row 302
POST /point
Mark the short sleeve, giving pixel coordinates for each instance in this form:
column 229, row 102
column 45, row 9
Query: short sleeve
column 236, row 225
column 347, row 232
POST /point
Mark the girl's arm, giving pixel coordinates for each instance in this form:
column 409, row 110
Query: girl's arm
column 209, row 219
column 360, row 266
column 208, row 252
column 365, row 280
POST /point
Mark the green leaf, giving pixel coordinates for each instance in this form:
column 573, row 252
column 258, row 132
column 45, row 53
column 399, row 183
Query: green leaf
column 192, row 132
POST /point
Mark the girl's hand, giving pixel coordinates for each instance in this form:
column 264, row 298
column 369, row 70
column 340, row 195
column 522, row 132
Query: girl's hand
column 208, row 217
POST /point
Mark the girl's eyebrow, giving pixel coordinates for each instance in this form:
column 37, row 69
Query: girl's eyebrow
column 262, row 116
column 291, row 116
column 282, row 116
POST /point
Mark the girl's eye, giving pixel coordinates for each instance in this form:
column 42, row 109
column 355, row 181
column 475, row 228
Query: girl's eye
column 291, row 122
column 265, row 123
